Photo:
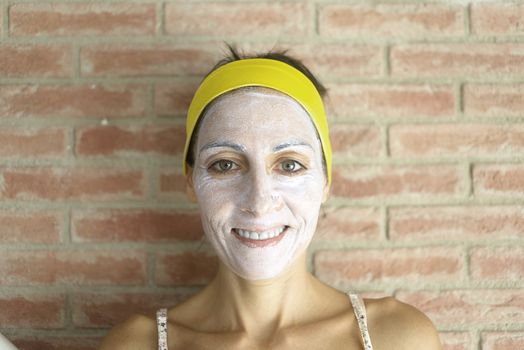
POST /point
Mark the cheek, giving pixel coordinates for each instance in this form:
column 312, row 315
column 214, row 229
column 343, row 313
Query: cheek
column 215, row 198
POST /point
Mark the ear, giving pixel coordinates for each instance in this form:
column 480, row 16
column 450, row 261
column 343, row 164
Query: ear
column 190, row 190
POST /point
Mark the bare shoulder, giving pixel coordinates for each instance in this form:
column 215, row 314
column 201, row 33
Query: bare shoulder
column 396, row 325
column 136, row 333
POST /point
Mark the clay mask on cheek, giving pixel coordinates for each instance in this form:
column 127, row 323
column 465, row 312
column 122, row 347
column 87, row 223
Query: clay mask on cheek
column 257, row 215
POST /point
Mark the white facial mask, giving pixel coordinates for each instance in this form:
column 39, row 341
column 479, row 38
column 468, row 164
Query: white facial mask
column 258, row 193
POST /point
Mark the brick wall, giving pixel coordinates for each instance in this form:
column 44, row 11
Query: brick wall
column 426, row 110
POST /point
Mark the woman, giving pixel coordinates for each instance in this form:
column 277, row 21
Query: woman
column 258, row 163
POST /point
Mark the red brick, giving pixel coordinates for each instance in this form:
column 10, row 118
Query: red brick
column 172, row 182
column 35, row 61
column 121, row 225
column 390, row 20
column 2, row 10
column 502, row 340
column 382, row 182
column 507, row 180
column 457, row 60
column 455, row 140
column 30, row 226
column 71, row 183
column 32, row 310
column 456, row 223
column 103, row 310
column 456, row 341
column 382, row 101
column 348, row 223
column 497, row 263
column 82, row 19
column 145, row 60
column 497, row 18
column 72, row 101
column 356, row 140
column 273, row 19
column 494, row 100
column 399, row 265
column 56, row 342
column 187, row 268
column 340, row 60
column 32, row 142
column 80, row 267
column 115, row 140
column 468, row 307
column 173, row 99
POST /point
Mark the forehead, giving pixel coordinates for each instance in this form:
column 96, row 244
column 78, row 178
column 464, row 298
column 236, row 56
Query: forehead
column 257, row 110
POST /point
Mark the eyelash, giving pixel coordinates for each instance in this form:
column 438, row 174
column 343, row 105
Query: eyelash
column 213, row 167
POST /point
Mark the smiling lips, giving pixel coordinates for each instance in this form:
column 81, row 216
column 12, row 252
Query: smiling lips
column 260, row 239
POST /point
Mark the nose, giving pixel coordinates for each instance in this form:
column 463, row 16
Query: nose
column 260, row 198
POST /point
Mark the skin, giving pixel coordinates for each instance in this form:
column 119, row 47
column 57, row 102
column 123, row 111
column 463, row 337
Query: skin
column 264, row 297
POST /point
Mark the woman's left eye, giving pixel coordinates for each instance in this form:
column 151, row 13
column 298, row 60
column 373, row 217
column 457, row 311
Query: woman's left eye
column 291, row 166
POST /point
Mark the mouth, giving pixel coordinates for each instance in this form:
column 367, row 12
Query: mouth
column 257, row 239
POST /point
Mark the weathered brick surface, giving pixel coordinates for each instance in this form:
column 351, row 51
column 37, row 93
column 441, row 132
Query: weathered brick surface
column 490, row 100
column 22, row 268
column 380, row 101
column 135, row 225
column 356, row 141
column 468, row 307
column 71, row 183
column 389, row 265
column 383, row 182
column 456, row 223
column 457, row 60
column 55, row 19
column 36, row 60
column 186, row 19
column 32, row 310
column 425, row 103
column 349, row 223
column 103, row 310
column 30, row 226
column 497, row 263
column 72, row 101
column 144, row 60
column 498, row 180
column 54, row 342
column 391, row 20
column 189, row 268
column 456, row 341
column 497, row 18
column 456, row 140
column 114, row 140
column 32, row 142
column 174, row 98
column 502, row 340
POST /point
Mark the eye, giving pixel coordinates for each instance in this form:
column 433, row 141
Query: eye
column 222, row 166
column 291, row 166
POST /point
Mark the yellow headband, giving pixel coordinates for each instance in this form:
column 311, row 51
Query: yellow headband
column 261, row 72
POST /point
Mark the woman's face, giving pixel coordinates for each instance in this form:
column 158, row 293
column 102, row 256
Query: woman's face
column 258, row 180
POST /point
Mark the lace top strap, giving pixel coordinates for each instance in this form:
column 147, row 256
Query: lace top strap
column 161, row 322
column 360, row 313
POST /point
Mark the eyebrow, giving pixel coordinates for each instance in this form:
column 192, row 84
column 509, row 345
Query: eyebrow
column 241, row 148
column 234, row 146
column 290, row 144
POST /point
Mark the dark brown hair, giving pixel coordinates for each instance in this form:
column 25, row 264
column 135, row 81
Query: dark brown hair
column 234, row 55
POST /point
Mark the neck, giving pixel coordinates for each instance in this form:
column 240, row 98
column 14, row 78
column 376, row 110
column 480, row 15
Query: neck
column 259, row 308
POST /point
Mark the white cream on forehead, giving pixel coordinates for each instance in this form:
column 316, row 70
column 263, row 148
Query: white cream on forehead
column 258, row 197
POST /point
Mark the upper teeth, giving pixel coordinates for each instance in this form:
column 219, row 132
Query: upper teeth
column 260, row 235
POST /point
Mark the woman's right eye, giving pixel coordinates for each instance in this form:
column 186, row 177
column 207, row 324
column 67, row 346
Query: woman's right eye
column 223, row 166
